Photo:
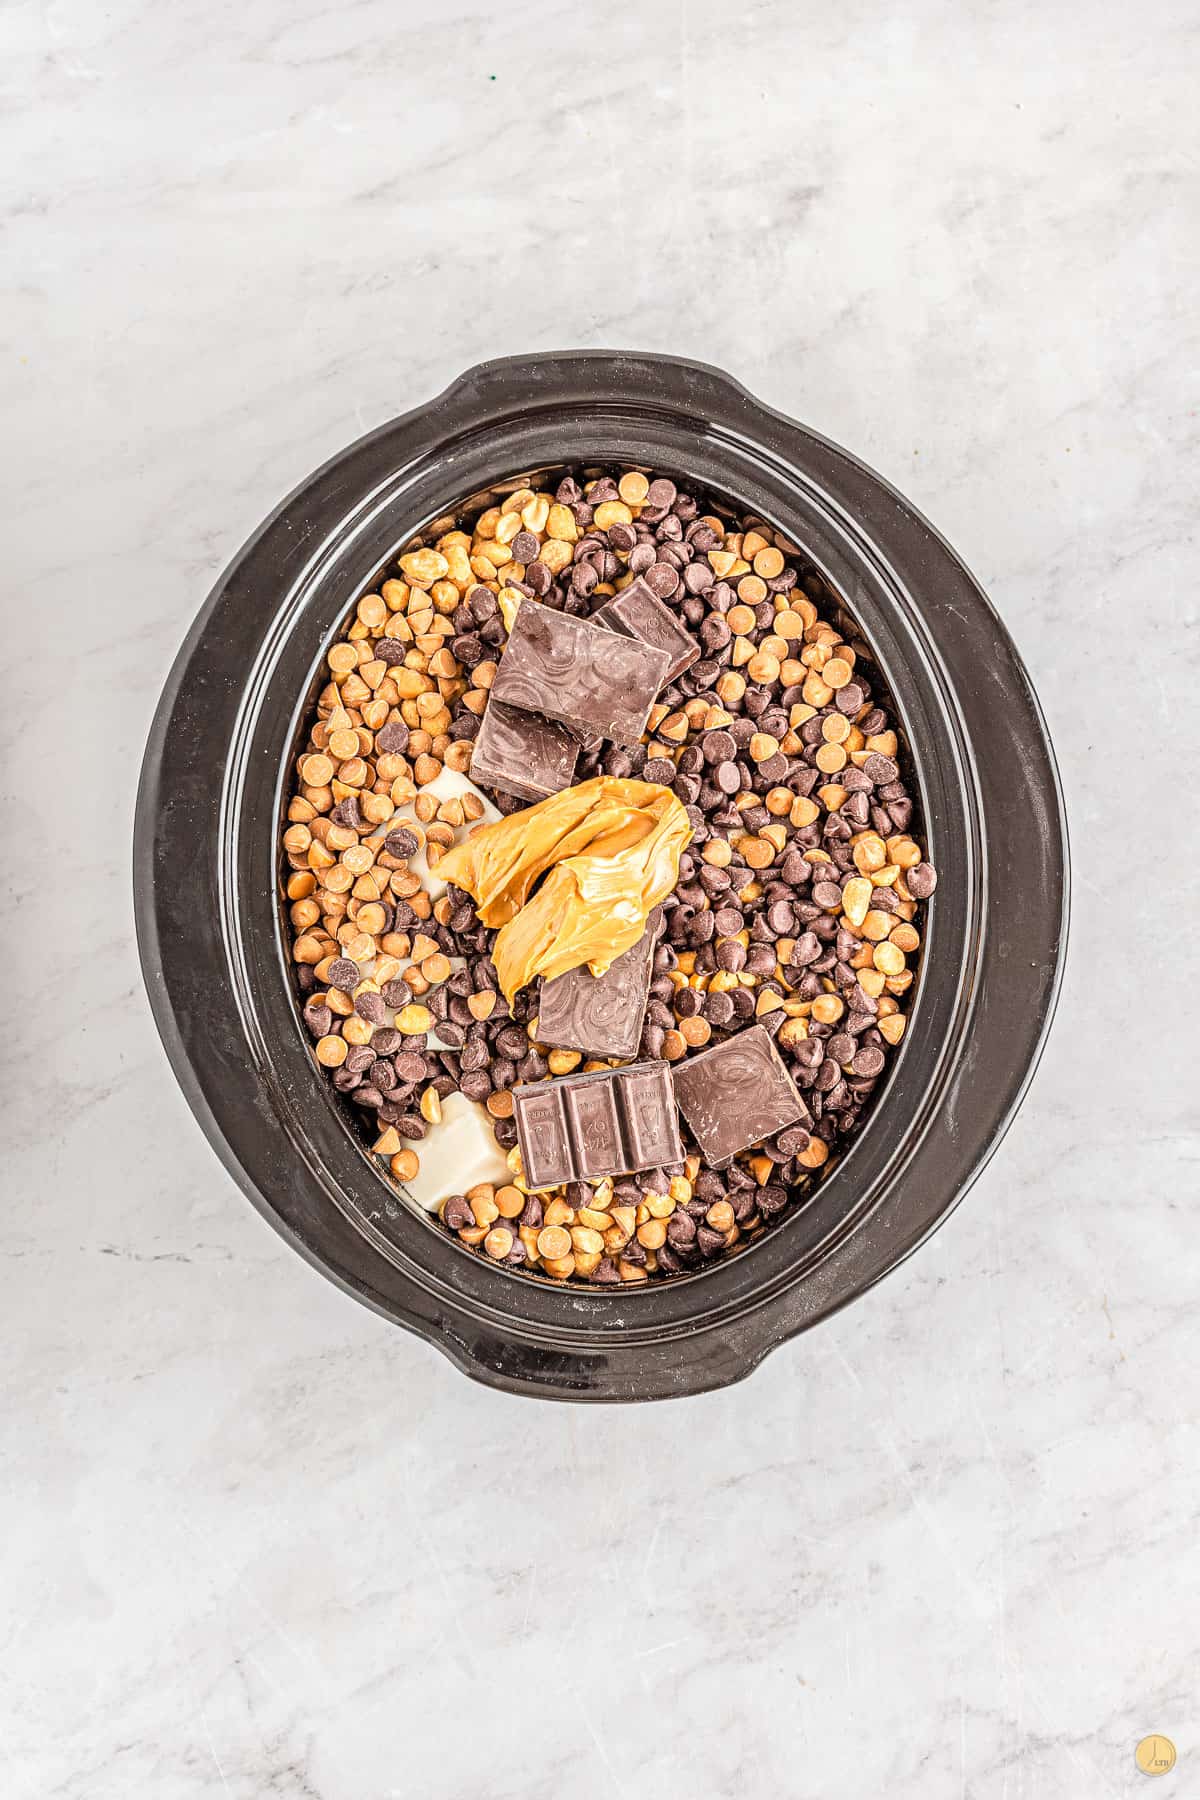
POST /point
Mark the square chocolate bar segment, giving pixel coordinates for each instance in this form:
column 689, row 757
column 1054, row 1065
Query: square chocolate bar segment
column 601, row 1014
column 638, row 612
column 581, row 1127
column 737, row 1094
column 580, row 674
column 522, row 754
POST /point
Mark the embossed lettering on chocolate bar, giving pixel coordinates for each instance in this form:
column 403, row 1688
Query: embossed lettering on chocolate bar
column 613, row 1122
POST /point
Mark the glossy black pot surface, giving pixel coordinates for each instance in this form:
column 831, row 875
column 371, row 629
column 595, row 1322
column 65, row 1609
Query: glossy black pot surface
column 212, row 935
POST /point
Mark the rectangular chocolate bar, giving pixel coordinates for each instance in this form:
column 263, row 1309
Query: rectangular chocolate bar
column 580, row 674
column 737, row 1094
column 581, row 1127
column 601, row 1014
column 637, row 612
column 522, row 754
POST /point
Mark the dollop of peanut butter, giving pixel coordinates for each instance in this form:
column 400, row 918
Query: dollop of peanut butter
column 609, row 850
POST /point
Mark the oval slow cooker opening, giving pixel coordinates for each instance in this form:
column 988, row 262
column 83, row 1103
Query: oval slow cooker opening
column 381, row 1206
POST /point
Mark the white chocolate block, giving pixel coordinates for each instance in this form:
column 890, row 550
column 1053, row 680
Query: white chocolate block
column 458, row 1152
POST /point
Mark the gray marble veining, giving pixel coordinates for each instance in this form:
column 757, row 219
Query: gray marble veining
column 253, row 1541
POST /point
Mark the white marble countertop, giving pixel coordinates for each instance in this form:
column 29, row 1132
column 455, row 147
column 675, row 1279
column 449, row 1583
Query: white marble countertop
column 254, row 1541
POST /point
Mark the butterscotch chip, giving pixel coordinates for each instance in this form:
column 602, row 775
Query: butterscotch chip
column 553, row 1243
column 869, row 853
column 405, row 1164
column 498, row 1242
column 856, row 900
column 830, row 758
column 510, row 1202
column 413, row 1020
column 423, row 567
column 816, row 1155
column 331, row 1052
column 500, row 1104
column 343, row 744
column 482, row 1202
column 768, row 562
column 757, row 852
column 827, row 1009
column 317, row 771
column 764, row 667
column 891, row 1028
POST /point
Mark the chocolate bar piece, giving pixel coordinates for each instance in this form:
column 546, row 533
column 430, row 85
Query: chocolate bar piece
column 522, row 754
column 580, row 674
column 637, row 612
column 601, row 1014
column 581, row 1127
column 737, row 1094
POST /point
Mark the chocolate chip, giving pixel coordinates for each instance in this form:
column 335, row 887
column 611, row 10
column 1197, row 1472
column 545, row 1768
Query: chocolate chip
column 457, row 1214
column 731, row 956
column 318, row 1018
column 921, row 881
column 718, row 746
column 662, row 579
column 392, row 738
column 402, row 844
column 344, row 974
